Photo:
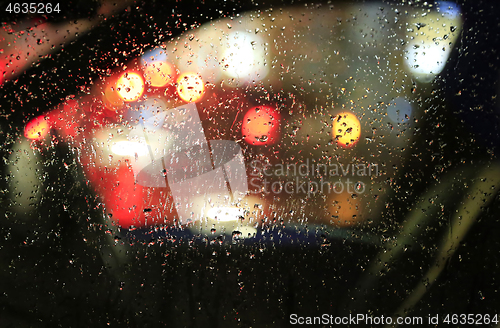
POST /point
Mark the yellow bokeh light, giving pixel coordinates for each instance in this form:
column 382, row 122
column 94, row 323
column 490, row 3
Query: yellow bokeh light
column 190, row 87
column 346, row 129
column 130, row 86
column 37, row 128
column 159, row 73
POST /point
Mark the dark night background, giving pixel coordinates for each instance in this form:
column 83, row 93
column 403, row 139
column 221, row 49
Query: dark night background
column 51, row 277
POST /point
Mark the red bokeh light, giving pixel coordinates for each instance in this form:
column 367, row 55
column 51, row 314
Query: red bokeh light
column 261, row 126
column 3, row 70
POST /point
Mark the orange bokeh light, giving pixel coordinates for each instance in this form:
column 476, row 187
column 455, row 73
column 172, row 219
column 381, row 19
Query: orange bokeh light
column 344, row 210
column 37, row 128
column 159, row 73
column 346, row 129
column 111, row 97
column 261, row 126
column 190, row 87
column 130, row 86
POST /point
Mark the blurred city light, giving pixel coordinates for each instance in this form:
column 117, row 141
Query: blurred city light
column 149, row 136
column 190, row 87
column 399, row 110
column 24, row 182
column 157, row 71
column 111, row 98
column 149, row 113
column 225, row 213
column 130, row 86
column 37, row 128
column 245, row 58
column 344, row 210
column 154, row 55
column 448, row 9
column 261, row 126
column 346, row 129
column 430, row 40
column 3, row 70
column 130, row 148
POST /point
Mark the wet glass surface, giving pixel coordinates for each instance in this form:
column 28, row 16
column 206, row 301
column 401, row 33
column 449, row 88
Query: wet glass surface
column 249, row 165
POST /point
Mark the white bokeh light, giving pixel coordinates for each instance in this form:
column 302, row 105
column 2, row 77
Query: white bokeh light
column 225, row 213
column 431, row 39
column 245, row 57
column 427, row 60
column 130, row 148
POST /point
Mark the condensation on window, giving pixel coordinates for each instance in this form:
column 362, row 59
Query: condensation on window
column 250, row 165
